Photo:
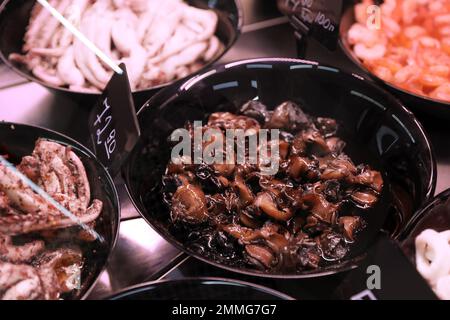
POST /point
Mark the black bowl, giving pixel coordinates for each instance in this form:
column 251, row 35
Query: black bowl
column 17, row 140
column 420, row 104
column 379, row 131
column 434, row 215
column 199, row 289
column 14, row 17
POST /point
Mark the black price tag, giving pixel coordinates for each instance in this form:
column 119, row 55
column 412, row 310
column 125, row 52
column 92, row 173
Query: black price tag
column 319, row 19
column 386, row 274
column 113, row 125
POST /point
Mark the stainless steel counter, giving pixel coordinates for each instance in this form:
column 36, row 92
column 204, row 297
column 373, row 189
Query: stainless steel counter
column 141, row 254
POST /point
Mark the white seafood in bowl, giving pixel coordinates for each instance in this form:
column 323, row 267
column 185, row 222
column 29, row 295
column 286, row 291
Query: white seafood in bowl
column 433, row 260
column 159, row 41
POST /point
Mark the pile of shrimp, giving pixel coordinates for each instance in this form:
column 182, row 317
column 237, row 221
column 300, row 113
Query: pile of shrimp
column 409, row 48
column 159, row 41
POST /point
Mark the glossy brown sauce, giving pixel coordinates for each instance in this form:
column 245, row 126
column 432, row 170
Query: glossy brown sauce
column 301, row 218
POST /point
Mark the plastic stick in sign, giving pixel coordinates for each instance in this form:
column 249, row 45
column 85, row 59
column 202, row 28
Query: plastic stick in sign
column 66, row 23
column 49, row 199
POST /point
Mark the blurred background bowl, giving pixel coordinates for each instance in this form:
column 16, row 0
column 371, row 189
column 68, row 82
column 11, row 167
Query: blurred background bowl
column 434, row 215
column 199, row 289
column 421, row 105
column 15, row 15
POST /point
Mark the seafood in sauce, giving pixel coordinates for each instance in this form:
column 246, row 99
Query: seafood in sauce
column 40, row 248
column 300, row 218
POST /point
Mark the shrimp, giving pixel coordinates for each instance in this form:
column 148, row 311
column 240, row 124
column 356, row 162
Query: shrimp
column 383, row 73
column 390, row 27
column 409, row 11
column 388, row 6
column 365, row 53
column 413, row 32
column 446, row 45
column 442, row 92
column 429, row 42
column 439, row 70
column 389, row 63
column 432, row 81
column 444, row 31
column 442, row 19
column 405, row 74
column 359, row 33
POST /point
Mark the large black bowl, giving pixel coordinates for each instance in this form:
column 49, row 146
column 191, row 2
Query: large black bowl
column 420, row 104
column 17, row 140
column 379, row 131
column 199, row 289
column 14, row 17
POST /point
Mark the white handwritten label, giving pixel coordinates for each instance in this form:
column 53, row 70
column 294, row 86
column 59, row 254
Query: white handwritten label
column 113, row 124
column 106, row 135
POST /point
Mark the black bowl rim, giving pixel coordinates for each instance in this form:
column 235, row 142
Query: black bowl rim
column 346, row 265
column 31, row 78
column 144, row 286
column 423, row 213
column 110, row 181
column 348, row 52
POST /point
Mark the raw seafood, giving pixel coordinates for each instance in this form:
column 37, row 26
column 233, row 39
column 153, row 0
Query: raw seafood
column 35, row 260
column 301, row 218
column 433, row 260
column 59, row 172
column 159, row 41
column 53, row 273
column 411, row 47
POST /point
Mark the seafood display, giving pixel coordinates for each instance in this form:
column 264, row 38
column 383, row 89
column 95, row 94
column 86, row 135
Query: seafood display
column 303, row 216
column 409, row 48
column 433, row 260
column 159, row 41
column 272, row 169
column 40, row 247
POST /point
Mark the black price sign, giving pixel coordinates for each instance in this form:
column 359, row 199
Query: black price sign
column 317, row 18
column 113, row 126
column 386, row 274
